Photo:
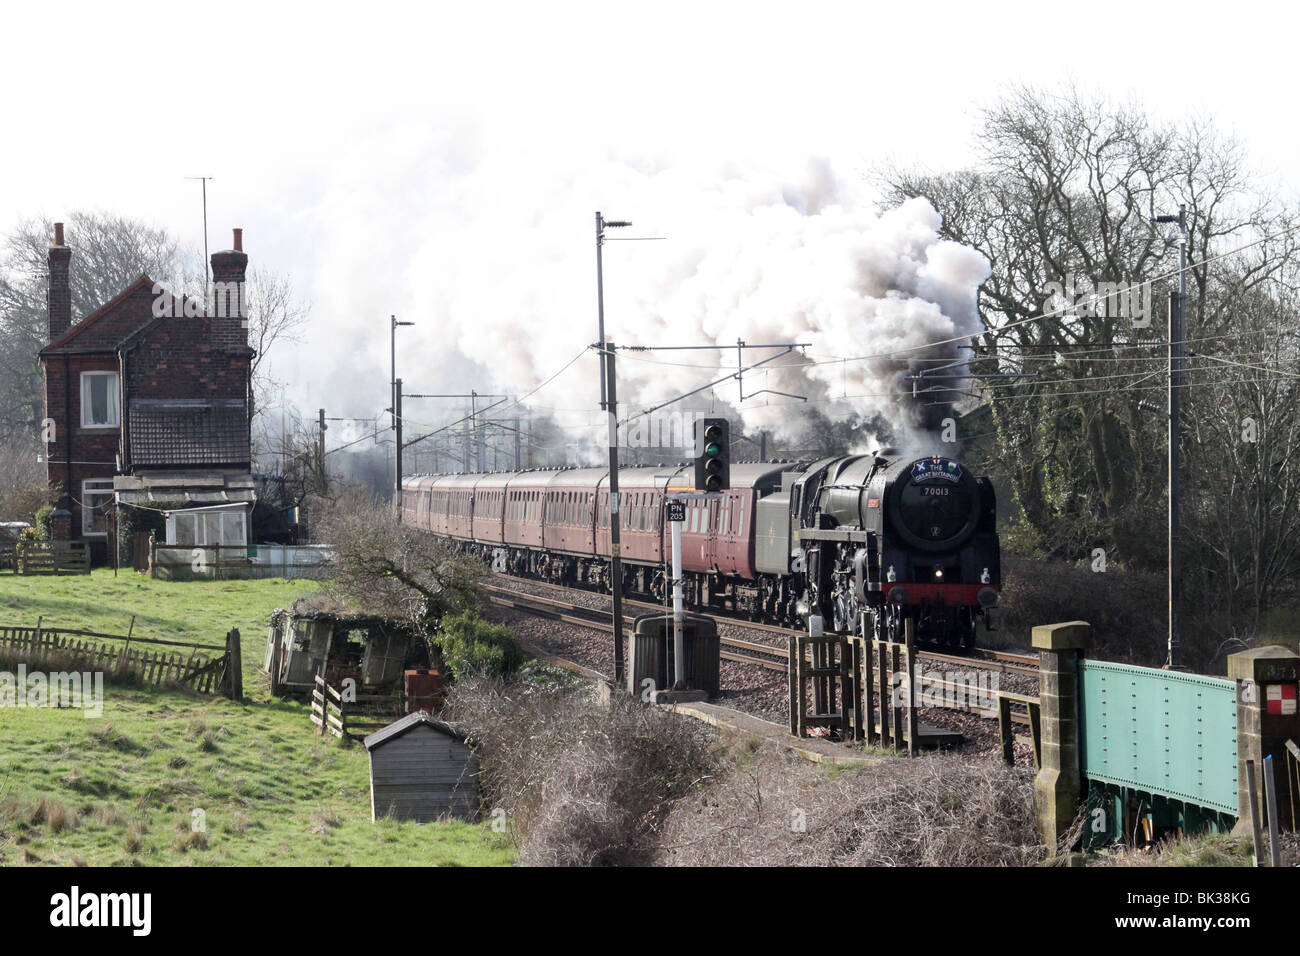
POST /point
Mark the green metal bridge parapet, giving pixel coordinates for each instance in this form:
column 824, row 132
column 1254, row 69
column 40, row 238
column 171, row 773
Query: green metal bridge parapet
column 1160, row 732
column 1149, row 750
column 1158, row 751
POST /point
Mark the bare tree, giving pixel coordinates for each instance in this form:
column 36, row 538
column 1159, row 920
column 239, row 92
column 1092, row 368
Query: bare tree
column 111, row 253
column 387, row 567
column 275, row 314
column 1064, row 194
column 23, row 485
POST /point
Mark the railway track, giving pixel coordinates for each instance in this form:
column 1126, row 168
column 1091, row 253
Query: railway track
column 770, row 656
column 733, row 649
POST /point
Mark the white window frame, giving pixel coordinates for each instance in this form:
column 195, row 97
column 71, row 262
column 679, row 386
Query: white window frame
column 230, row 518
column 93, row 488
column 115, row 399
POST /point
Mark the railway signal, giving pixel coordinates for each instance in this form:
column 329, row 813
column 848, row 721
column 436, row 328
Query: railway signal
column 713, row 454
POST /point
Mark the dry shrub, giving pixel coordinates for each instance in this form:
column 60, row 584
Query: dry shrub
column 1125, row 608
column 775, row 809
column 55, row 815
column 583, row 785
column 322, row 821
column 133, row 839
column 109, row 816
column 580, row 785
column 109, row 736
column 192, row 840
column 1200, row 850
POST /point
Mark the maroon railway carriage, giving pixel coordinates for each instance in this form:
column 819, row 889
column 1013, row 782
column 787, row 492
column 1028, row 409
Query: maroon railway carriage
column 900, row 538
column 556, row 523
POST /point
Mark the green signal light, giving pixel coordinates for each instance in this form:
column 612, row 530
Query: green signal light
column 711, row 449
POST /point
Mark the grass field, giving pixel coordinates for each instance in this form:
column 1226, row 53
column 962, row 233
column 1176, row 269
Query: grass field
column 134, row 786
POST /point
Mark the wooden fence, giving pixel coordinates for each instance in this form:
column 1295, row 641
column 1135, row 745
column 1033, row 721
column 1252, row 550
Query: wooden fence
column 844, row 672
column 1033, row 716
column 52, row 557
column 207, row 668
column 341, row 716
column 237, row 562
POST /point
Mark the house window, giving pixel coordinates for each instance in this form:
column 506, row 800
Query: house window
column 193, row 529
column 99, row 400
column 96, row 499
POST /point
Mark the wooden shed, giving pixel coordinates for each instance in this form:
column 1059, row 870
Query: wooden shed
column 321, row 637
column 422, row 769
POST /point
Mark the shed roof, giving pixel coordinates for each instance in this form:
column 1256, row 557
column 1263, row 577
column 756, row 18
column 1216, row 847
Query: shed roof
column 327, row 606
column 407, row 724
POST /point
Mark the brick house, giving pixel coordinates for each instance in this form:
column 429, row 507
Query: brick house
column 147, row 402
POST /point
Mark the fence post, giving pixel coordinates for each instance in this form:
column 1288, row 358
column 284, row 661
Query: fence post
column 909, row 637
column 1058, row 784
column 1267, row 681
column 792, row 647
column 275, row 660
column 1006, row 732
column 235, row 664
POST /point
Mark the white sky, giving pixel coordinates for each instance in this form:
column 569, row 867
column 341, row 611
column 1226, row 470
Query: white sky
column 419, row 158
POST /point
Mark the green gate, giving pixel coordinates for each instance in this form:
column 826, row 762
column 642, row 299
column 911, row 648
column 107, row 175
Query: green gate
column 1157, row 747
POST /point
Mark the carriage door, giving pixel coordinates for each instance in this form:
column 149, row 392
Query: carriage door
column 712, row 547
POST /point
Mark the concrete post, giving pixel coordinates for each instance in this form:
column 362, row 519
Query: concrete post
column 1267, row 680
column 1058, row 785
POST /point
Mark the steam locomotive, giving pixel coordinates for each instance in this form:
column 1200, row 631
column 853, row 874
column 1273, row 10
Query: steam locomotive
column 866, row 541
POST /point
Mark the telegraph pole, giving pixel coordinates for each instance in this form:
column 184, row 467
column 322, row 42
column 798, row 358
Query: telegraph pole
column 206, row 261
column 615, row 558
column 323, row 426
column 609, row 403
column 393, row 407
column 397, row 440
column 1177, row 381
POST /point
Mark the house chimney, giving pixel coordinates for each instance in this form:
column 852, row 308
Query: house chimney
column 60, row 298
column 228, row 269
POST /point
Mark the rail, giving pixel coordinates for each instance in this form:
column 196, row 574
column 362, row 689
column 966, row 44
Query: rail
column 771, row 657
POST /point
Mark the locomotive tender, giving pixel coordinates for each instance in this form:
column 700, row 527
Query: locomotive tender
column 896, row 536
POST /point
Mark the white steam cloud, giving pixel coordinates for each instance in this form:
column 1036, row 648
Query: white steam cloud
column 506, row 270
